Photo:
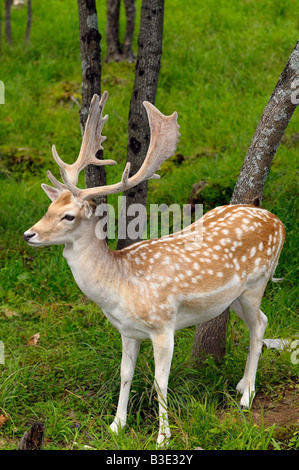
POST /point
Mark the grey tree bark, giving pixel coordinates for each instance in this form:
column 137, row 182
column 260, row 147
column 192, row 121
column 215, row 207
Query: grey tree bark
column 145, row 87
column 90, row 48
column 115, row 51
column 210, row 337
column 266, row 140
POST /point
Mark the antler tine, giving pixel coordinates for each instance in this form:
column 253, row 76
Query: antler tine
column 125, row 175
column 90, row 193
column 91, row 143
column 55, row 182
column 93, row 139
column 164, row 139
column 59, row 185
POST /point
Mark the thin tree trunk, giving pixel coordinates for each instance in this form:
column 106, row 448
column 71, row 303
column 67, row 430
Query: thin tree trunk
column 145, row 87
column 29, row 20
column 8, row 35
column 112, row 31
column 210, row 337
column 91, row 79
column 115, row 51
column 127, row 53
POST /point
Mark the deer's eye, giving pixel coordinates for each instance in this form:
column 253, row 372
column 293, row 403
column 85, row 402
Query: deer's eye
column 68, row 217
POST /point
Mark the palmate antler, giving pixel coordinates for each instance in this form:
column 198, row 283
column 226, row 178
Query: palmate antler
column 163, row 142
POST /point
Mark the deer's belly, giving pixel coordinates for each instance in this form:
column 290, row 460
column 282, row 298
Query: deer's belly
column 188, row 316
column 201, row 307
column 127, row 326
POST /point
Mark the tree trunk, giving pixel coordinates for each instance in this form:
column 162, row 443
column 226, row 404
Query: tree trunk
column 112, row 31
column 145, row 87
column 210, row 337
column 127, row 53
column 115, row 51
column 266, row 140
column 91, row 80
column 29, row 20
column 8, row 35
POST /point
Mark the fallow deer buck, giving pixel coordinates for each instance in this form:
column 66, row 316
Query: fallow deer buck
column 155, row 287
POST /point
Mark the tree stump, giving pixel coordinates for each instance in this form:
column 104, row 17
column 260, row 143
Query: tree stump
column 33, row 439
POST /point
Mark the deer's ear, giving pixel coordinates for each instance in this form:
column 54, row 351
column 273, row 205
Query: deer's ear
column 89, row 209
column 52, row 193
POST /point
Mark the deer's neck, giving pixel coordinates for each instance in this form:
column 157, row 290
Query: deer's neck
column 95, row 267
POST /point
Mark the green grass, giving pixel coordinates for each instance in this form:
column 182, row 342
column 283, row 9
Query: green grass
column 221, row 61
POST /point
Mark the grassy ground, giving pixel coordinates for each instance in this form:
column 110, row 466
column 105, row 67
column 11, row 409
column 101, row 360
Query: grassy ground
column 221, row 61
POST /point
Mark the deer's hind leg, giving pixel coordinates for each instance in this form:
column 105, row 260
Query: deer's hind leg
column 247, row 307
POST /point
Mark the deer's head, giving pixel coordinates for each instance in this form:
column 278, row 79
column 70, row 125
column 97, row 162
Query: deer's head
column 64, row 220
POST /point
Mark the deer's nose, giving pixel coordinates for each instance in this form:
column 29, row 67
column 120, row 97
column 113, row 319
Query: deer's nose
column 27, row 236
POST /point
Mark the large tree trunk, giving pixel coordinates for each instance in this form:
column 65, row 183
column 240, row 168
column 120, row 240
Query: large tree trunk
column 145, row 87
column 210, row 337
column 266, row 140
column 90, row 39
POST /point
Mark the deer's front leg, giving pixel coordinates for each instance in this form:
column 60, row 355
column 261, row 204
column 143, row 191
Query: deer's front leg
column 129, row 356
column 163, row 351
